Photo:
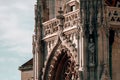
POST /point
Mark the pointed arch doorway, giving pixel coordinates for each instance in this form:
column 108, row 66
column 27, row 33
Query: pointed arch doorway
column 62, row 66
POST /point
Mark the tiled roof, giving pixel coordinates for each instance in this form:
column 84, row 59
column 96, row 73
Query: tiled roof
column 27, row 66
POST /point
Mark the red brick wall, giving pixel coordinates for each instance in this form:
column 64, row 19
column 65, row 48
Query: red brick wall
column 27, row 75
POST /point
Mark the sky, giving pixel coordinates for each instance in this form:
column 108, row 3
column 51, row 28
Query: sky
column 16, row 29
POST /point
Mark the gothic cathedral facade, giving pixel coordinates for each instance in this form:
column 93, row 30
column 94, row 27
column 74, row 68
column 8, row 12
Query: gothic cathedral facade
column 76, row 40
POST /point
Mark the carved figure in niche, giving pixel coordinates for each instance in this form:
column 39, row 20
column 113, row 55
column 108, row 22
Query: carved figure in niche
column 91, row 48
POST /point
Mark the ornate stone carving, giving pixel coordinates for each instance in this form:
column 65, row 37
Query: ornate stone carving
column 91, row 48
column 51, row 26
column 113, row 16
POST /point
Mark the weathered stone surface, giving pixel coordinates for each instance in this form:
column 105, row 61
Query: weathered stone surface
column 60, row 46
column 116, row 59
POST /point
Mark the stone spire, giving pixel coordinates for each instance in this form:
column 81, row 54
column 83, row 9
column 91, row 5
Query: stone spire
column 61, row 18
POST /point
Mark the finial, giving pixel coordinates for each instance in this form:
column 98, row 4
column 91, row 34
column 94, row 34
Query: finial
column 61, row 17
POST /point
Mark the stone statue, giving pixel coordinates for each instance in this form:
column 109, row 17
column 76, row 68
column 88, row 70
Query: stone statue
column 91, row 48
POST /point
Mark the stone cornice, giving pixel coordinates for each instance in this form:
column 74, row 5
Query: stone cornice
column 26, row 68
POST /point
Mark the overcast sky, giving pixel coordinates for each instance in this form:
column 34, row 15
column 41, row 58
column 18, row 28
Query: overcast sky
column 16, row 29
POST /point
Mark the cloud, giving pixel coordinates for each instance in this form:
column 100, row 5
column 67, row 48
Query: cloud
column 16, row 28
column 9, row 60
column 16, row 25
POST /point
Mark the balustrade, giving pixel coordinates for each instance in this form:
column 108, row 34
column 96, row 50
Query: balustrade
column 113, row 16
column 51, row 26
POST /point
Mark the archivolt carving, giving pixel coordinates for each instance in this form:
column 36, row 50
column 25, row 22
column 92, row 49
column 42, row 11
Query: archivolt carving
column 61, row 60
column 63, row 53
